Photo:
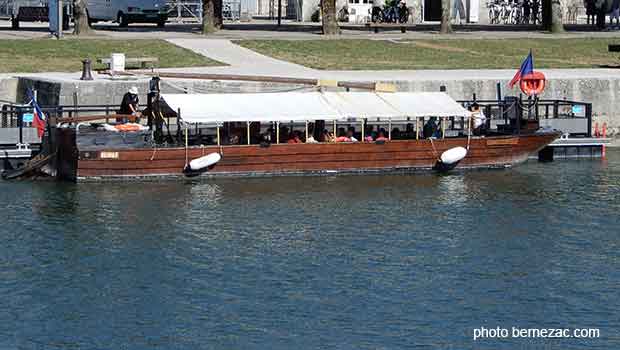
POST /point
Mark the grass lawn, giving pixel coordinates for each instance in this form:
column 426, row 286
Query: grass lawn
column 438, row 54
column 48, row 55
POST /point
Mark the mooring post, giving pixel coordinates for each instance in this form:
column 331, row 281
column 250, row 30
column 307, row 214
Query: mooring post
column 86, row 72
column 499, row 92
column 589, row 118
column 20, row 125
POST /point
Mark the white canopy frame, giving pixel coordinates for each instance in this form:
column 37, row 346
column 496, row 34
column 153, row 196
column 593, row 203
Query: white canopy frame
column 215, row 109
column 303, row 106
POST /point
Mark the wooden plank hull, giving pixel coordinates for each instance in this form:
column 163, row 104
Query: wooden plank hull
column 284, row 159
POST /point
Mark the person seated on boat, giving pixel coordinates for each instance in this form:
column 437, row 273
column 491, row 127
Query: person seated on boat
column 327, row 137
column 311, row 139
column 284, row 133
column 342, row 137
column 265, row 138
column 130, row 104
column 310, row 134
column 381, row 137
column 396, row 135
column 409, row 132
column 430, row 128
column 351, row 135
column 478, row 119
column 295, row 137
column 233, row 140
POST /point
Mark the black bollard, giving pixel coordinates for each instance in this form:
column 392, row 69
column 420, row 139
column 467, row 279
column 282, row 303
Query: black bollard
column 86, row 75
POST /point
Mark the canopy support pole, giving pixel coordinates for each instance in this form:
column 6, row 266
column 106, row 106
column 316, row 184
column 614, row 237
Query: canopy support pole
column 443, row 127
column 306, row 131
column 417, row 128
column 217, row 131
column 363, row 127
column 248, row 129
column 186, row 145
column 335, row 129
column 390, row 129
column 277, row 132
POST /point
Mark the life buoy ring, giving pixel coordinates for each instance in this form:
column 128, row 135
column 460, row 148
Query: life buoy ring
column 128, row 127
column 533, row 83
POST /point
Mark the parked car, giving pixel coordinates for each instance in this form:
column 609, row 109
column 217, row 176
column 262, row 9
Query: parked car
column 124, row 12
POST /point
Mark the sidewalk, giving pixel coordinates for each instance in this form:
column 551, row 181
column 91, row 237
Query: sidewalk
column 239, row 59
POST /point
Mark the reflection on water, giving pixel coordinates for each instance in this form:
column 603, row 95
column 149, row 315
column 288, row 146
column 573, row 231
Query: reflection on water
column 349, row 262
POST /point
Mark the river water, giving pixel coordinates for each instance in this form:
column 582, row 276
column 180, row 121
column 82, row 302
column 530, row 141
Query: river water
column 344, row 262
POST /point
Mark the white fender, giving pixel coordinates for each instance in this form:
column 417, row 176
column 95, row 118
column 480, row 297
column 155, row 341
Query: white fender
column 204, row 161
column 453, row 155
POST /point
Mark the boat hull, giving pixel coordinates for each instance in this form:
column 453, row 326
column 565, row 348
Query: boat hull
column 294, row 159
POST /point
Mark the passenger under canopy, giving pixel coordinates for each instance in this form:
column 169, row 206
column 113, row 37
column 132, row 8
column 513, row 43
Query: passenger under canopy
column 300, row 106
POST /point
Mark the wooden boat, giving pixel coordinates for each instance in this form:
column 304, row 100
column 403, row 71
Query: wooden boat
column 89, row 153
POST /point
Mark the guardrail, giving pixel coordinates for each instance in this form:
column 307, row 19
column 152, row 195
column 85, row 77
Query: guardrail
column 19, row 116
column 572, row 117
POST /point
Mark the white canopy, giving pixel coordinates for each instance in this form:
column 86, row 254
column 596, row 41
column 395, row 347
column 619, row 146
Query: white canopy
column 300, row 106
column 395, row 105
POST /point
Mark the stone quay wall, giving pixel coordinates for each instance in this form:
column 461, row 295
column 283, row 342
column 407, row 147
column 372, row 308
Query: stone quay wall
column 603, row 93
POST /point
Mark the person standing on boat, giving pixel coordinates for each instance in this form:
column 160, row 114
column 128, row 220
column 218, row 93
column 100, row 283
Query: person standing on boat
column 430, row 128
column 130, row 103
column 478, row 119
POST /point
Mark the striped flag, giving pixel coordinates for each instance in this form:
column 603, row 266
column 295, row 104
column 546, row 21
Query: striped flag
column 527, row 67
column 39, row 119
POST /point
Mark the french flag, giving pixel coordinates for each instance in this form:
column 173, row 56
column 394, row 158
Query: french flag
column 39, row 119
column 527, row 67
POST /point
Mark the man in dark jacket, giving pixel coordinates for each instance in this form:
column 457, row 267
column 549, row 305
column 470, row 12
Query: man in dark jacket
column 130, row 103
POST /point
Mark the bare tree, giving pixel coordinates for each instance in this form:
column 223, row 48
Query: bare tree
column 330, row 21
column 80, row 18
column 446, row 26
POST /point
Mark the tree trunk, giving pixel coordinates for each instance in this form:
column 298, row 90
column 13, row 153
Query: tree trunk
column 208, row 17
column 330, row 22
column 80, row 18
column 217, row 13
column 556, row 25
column 446, row 26
column 552, row 16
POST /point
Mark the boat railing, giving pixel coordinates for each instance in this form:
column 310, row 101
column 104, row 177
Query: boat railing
column 572, row 117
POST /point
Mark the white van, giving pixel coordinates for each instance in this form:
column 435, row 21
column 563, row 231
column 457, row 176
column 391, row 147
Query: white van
column 127, row 11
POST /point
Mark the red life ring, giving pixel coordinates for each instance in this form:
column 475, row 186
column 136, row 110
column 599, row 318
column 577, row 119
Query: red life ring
column 533, row 83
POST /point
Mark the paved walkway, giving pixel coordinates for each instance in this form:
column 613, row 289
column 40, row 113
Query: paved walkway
column 239, row 59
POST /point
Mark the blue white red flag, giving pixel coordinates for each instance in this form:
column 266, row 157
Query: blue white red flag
column 39, row 119
column 527, row 67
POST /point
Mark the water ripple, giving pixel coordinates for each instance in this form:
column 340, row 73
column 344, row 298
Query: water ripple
column 346, row 262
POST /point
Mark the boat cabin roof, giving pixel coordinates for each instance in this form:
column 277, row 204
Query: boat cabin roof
column 302, row 106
